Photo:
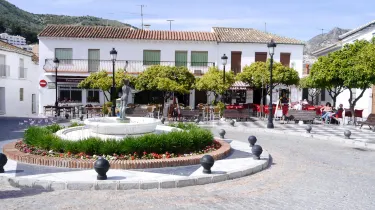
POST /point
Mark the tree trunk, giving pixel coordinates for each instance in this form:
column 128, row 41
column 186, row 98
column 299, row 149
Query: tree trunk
column 105, row 95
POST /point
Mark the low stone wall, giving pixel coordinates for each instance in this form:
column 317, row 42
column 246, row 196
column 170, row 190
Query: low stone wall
column 13, row 153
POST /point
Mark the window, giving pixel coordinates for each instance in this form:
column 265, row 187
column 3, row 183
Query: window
column 21, row 94
column 285, row 59
column 22, row 70
column 65, row 55
column 180, row 58
column 4, row 69
column 151, row 57
column 260, row 56
column 93, row 96
column 70, row 94
column 199, row 58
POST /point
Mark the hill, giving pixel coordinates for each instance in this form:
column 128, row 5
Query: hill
column 16, row 21
column 323, row 40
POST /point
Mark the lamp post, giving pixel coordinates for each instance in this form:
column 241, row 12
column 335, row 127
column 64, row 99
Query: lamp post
column 113, row 54
column 224, row 60
column 56, row 63
column 271, row 47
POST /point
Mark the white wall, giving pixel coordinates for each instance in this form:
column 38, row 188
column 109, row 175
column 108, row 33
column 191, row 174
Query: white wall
column 12, row 84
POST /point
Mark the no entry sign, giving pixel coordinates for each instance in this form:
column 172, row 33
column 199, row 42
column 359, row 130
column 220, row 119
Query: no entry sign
column 43, row 83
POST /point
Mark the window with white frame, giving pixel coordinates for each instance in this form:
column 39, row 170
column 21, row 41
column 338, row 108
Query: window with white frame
column 70, row 94
column 4, row 69
column 93, row 96
column 65, row 55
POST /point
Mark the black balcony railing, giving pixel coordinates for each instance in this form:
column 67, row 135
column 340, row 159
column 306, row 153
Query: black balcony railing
column 4, row 70
column 88, row 66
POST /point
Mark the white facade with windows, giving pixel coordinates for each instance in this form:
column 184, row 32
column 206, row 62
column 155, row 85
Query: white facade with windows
column 18, row 82
column 365, row 32
column 80, row 56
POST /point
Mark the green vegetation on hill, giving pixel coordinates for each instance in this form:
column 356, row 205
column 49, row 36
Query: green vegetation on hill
column 16, row 21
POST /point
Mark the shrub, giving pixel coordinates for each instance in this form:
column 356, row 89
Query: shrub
column 54, row 127
column 75, row 124
column 178, row 142
column 184, row 126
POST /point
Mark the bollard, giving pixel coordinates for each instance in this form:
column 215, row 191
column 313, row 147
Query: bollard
column 308, row 128
column 257, row 151
column 207, row 162
column 101, row 167
column 252, row 140
column 3, row 162
column 347, row 134
column 222, row 133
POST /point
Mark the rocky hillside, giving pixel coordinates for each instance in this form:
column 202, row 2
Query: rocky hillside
column 323, row 40
column 16, row 21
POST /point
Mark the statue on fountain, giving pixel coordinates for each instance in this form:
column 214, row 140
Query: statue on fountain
column 124, row 98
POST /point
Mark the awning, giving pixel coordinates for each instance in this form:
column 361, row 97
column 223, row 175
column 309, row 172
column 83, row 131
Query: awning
column 238, row 85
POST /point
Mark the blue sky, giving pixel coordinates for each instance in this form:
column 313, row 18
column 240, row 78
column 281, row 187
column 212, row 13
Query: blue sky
column 301, row 19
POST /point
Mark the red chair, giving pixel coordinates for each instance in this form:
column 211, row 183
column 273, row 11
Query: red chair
column 339, row 116
column 318, row 111
column 358, row 113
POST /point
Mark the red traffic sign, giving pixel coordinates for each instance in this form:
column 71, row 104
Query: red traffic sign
column 43, row 83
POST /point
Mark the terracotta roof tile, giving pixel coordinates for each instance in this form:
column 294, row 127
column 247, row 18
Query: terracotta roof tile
column 249, row 35
column 8, row 47
column 103, row 32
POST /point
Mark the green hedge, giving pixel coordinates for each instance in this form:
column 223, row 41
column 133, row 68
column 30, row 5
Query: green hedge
column 177, row 142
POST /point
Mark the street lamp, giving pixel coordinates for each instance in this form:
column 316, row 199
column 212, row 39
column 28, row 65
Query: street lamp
column 224, row 60
column 113, row 54
column 271, row 47
column 56, row 63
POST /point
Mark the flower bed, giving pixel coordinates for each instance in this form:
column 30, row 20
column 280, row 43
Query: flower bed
column 42, row 141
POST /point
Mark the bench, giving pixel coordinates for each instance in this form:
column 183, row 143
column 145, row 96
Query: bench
column 300, row 115
column 237, row 114
column 370, row 121
column 189, row 114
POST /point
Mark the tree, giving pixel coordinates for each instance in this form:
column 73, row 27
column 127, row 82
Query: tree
column 357, row 68
column 103, row 81
column 258, row 73
column 166, row 79
column 212, row 81
column 313, row 89
column 325, row 73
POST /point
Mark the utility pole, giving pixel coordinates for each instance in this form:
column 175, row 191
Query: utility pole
column 170, row 24
column 322, row 31
column 142, row 13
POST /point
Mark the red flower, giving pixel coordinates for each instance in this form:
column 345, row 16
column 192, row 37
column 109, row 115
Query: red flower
column 132, row 157
column 144, row 153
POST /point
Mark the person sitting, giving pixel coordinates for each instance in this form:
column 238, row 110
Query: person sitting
column 326, row 112
column 298, row 106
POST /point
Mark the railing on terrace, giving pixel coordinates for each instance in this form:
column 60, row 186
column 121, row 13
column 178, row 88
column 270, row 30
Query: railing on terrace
column 134, row 67
column 4, row 70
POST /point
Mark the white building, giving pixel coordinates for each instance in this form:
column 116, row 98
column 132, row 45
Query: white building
column 18, row 82
column 364, row 32
column 85, row 49
column 13, row 40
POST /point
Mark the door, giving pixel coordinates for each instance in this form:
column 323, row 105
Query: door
column 236, row 62
column 22, row 69
column 94, row 60
column 33, row 103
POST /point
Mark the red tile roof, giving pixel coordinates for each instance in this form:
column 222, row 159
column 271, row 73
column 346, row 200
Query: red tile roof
column 103, row 32
column 249, row 35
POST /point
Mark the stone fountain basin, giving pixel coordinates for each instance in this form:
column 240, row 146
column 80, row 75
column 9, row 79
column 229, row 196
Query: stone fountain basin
column 114, row 126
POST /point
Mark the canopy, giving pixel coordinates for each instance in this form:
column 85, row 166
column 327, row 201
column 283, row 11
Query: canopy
column 239, row 85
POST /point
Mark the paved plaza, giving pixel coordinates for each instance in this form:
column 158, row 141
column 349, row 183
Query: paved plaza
column 306, row 173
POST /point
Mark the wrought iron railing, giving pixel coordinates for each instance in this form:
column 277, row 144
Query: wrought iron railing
column 88, row 66
column 4, row 70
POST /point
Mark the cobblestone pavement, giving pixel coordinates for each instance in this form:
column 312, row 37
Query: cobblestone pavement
column 305, row 174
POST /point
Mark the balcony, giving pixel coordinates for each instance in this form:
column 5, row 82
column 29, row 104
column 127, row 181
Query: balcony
column 4, row 70
column 132, row 67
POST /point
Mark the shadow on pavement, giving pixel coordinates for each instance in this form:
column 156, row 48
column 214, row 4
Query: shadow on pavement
column 22, row 192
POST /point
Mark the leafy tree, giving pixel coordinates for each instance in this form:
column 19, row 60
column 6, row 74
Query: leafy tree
column 212, row 81
column 166, row 79
column 357, row 68
column 258, row 73
column 325, row 73
column 313, row 89
column 103, row 81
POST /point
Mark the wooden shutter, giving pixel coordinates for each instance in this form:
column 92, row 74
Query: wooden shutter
column 199, row 58
column 94, row 60
column 180, row 58
column 261, row 56
column 285, row 59
column 151, row 57
column 65, row 55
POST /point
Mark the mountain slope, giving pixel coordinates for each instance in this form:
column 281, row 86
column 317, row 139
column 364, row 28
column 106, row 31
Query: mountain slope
column 19, row 22
column 323, row 40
